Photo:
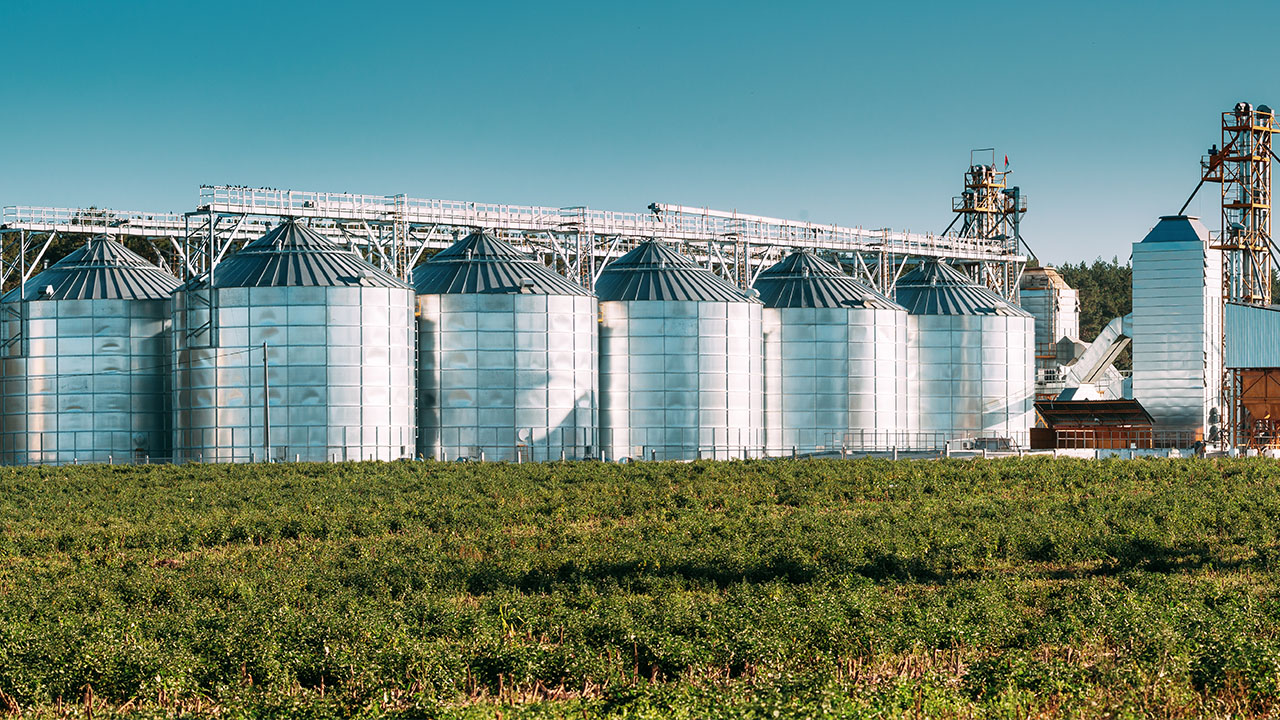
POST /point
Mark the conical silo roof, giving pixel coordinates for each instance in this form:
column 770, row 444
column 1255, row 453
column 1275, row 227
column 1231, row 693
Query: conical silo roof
column 804, row 280
column 102, row 269
column 654, row 271
column 1178, row 228
column 291, row 255
column 935, row 288
column 481, row 263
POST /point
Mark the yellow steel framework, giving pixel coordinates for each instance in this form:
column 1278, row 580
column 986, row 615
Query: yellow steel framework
column 1243, row 168
column 989, row 210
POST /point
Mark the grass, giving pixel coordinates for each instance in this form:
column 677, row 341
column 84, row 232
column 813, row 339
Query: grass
column 1008, row 588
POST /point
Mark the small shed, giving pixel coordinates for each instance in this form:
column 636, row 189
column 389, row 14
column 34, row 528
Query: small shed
column 1092, row 424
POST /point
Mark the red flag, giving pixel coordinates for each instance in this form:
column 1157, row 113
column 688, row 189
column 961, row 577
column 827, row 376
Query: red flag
column 1006, row 162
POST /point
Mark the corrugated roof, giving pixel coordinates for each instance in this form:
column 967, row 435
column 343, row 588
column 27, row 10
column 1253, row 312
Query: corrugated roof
column 292, row 255
column 1093, row 413
column 102, row 269
column 935, row 288
column 1253, row 336
column 481, row 263
column 1178, row 228
column 804, row 280
column 654, row 271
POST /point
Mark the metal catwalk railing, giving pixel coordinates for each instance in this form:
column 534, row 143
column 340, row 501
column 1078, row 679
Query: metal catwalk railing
column 669, row 221
column 1125, row 438
column 395, row 232
column 92, row 220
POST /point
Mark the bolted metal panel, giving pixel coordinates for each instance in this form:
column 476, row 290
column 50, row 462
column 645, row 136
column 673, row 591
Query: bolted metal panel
column 86, row 361
column 970, row 359
column 681, row 379
column 85, row 381
column 835, row 377
column 507, row 357
column 340, row 371
column 1056, row 308
column 1177, row 300
column 835, row 360
column 509, row 376
column 973, row 375
column 340, row 338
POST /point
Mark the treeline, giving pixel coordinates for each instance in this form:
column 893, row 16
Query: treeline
column 1106, row 292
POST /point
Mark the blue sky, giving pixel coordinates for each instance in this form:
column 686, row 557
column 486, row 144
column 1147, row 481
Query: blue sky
column 848, row 113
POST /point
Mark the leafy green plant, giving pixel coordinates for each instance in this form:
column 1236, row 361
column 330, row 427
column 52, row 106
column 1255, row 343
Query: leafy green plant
column 707, row 589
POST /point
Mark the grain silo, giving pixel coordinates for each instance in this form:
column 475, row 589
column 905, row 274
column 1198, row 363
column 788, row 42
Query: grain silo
column 971, row 358
column 1055, row 305
column 1177, row 316
column 339, row 346
column 507, row 356
column 86, row 362
column 835, row 360
column 680, row 360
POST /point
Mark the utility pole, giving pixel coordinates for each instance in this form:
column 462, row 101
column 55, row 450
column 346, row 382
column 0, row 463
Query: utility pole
column 266, row 408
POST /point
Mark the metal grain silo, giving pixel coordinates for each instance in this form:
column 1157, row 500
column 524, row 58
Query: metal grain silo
column 507, row 356
column 1056, row 309
column 681, row 360
column 339, row 337
column 971, row 358
column 86, row 362
column 1177, row 316
column 835, row 360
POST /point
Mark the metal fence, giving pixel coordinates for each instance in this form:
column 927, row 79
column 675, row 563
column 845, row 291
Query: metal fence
column 838, row 445
column 1124, row 438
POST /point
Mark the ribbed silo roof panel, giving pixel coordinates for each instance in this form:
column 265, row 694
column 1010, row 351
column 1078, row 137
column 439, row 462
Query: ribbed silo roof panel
column 654, row 271
column 102, row 269
column 481, row 263
column 804, row 280
column 1178, row 228
column 935, row 288
column 292, row 255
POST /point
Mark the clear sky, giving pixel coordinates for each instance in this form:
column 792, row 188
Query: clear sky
column 860, row 114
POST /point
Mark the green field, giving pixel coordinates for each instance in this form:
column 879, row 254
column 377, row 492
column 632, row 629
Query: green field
column 733, row 589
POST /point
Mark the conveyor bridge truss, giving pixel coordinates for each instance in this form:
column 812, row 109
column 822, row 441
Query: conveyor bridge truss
column 395, row 232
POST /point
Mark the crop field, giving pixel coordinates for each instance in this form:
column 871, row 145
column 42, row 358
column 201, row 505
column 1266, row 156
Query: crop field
column 1008, row 588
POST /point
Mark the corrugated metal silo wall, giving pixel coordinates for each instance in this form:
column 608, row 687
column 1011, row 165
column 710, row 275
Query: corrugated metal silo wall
column 1177, row 364
column 1251, row 337
column 971, row 376
column 87, row 381
column 340, row 368
column 681, row 379
column 835, row 378
column 1057, row 315
column 509, row 375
